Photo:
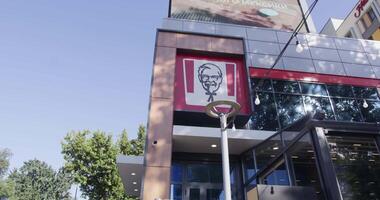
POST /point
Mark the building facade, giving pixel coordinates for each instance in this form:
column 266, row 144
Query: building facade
column 363, row 22
column 277, row 142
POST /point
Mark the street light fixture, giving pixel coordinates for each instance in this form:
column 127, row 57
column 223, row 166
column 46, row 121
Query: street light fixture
column 233, row 109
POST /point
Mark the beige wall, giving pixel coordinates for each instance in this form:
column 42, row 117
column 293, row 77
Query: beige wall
column 156, row 181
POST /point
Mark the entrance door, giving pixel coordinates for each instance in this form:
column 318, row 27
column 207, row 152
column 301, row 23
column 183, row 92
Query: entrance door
column 204, row 191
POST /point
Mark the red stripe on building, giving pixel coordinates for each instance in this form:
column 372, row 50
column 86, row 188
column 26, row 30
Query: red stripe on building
column 230, row 70
column 189, row 69
column 313, row 77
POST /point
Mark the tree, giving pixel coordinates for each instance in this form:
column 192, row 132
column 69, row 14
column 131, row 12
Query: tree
column 134, row 147
column 91, row 159
column 37, row 180
column 6, row 185
column 5, row 154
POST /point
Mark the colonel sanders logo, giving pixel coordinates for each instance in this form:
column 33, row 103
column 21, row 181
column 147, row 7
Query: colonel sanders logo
column 211, row 77
column 207, row 81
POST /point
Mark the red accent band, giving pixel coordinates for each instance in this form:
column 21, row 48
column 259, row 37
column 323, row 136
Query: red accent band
column 189, row 66
column 230, row 70
column 313, row 77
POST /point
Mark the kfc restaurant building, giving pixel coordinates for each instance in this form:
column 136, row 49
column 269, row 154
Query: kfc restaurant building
column 280, row 149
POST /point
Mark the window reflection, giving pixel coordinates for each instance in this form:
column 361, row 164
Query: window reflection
column 265, row 117
column 357, row 165
column 282, row 103
column 340, row 90
column 314, row 104
column 346, row 109
column 372, row 113
column 290, row 108
column 366, row 93
column 286, row 86
column 314, row 89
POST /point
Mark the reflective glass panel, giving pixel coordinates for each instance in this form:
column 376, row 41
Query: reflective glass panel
column 313, row 89
column 340, row 90
column 249, row 165
column 176, row 192
column 195, row 194
column 290, row 108
column 313, row 104
column 267, row 151
column 278, row 177
column 366, row 93
column 372, row 113
column 286, row 86
column 346, row 109
column 216, row 173
column 261, row 85
column 197, row 173
column 304, row 164
column 176, row 172
column 357, row 165
column 265, row 117
column 214, row 194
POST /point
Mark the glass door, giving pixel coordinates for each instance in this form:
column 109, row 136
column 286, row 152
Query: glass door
column 204, row 192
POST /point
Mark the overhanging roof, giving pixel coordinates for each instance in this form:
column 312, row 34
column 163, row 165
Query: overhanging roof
column 131, row 170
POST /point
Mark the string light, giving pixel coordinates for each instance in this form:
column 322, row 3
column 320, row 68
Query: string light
column 365, row 104
column 257, row 100
column 233, row 127
column 299, row 47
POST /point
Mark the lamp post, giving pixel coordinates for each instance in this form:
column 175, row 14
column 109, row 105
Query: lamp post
column 212, row 111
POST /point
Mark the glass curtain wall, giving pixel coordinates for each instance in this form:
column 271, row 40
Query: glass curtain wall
column 283, row 102
column 356, row 161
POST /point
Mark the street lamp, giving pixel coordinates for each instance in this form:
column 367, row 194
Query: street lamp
column 233, row 109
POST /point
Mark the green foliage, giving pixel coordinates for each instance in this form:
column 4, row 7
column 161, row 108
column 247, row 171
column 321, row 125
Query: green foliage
column 91, row 159
column 35, row 180
column 134, row 147
column 5, row 154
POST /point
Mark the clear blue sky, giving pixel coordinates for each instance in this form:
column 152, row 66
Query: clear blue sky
column 81, row 64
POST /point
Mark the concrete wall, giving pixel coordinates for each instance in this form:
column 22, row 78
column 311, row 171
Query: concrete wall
column 158, row 147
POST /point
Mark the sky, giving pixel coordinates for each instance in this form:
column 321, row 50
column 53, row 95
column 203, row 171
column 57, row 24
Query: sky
column 81, row 64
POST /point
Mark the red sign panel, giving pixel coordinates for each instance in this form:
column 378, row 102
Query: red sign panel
column 202, row 79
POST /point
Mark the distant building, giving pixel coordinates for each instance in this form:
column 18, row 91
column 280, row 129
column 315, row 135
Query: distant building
column 363, row 22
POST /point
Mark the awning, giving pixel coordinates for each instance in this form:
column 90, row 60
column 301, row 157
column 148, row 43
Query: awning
column 131, row 170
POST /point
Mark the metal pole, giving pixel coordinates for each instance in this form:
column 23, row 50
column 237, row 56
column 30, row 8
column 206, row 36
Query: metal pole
column 225, row 157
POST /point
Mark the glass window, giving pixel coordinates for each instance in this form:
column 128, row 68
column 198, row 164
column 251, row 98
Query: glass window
column 346, row 110
column 197, row 173
column 176, row 192
column 371, row 14
column 261, row 85
column 267, row 151
column 216, row 173
column 286, row 86
column 304, row 164
column 279, row 176
column 357, row 165
column 313, row 89
column 215, row 194
column 290, row 108
column 313, row 104
column 372, row 113
column 340, row 90
column 195, row 194
column 265, row 117
column 176, row 172
column 249, row 165
column 366, row 93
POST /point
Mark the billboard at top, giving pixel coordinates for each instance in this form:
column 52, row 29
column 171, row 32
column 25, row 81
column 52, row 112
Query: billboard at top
column 276, row 14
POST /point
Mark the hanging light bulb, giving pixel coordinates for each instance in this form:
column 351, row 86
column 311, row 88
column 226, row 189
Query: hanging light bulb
column 365, row 104
column 257, row 100
column 233, row 127
column 299, row 47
